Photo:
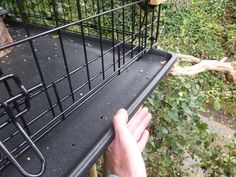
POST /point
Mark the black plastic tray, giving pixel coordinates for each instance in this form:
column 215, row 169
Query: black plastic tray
column 76, row 143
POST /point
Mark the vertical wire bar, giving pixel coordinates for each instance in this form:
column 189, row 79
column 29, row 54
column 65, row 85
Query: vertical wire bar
column 46, row 16
column 21, row 10
column 15, row 103
column 86, row 15
column 118, row 59
column 95, row 22
column 103, row 10
column 113, row 37
column 139, row 33
column 14, row 10
column 63, row 53
column 58, row 99
column 63, row 11
column 51, row 13
column 123, row 31
column 152, row 28
column 69, row 3
column 158, row 23
column 84, row 45
column 101, row 45
column 133, row 29
column 146, row 21
column 142, row 30
column 28, row 8
column 37, row 2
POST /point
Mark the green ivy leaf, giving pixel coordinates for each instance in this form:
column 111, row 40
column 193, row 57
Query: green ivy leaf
column 217, row 104
column 202, row 126
column 164, row 130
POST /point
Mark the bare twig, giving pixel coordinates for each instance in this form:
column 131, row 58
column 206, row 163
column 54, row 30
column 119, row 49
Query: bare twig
column 200, row 65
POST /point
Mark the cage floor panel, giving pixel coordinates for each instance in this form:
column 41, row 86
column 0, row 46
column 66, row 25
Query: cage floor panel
column 76, row 143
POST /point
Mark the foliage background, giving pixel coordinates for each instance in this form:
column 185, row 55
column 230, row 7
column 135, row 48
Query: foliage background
column 205, row 29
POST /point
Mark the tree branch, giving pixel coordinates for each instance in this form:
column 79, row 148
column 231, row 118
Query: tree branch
column 200, row 65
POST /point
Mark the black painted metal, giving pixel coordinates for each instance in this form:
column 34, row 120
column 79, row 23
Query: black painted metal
column 63, row 69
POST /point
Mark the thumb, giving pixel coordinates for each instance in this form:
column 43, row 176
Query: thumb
column 120, row 121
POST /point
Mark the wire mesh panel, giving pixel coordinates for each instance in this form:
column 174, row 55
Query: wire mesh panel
column 64, row 53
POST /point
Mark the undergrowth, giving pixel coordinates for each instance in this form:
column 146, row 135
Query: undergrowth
column 205, row 29
column 177, row 133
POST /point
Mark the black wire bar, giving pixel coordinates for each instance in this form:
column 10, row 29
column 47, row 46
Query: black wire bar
column 124, row 33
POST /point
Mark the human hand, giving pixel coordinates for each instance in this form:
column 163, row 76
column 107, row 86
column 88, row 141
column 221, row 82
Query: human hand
column 124, row 156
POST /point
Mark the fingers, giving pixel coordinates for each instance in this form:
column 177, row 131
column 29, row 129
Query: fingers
column 142, row 126
column 143, row 140
column 137, row 119
column 135, row 128
column 138, row 111
column 120, row 121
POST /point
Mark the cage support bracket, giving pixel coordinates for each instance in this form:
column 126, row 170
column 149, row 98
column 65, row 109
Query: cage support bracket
column 6, row 106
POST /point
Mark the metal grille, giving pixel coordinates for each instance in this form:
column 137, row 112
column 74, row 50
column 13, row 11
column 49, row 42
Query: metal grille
column 104, row 37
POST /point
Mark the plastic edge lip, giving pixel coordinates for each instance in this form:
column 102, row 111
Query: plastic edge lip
column 98, row 149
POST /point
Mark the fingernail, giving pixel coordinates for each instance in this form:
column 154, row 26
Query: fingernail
column 120, row 111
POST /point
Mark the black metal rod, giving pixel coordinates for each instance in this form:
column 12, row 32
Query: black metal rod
column 58, row 99
column 71, row 16
column 100, row 39
column 63, row 10
column 67, row 25
column 158, row 22
column 29, row 141
column 126, row 36
column 80, row 67
column 84, row 45
column 146, row 22
column 140, row 26
column 21, row 9
column 113, row 37
column 63, row 51
column 152, row 27
column 15, row 103
column 123, row 32
column 75, row 105
column 67, row 96
column 118, row 59
column 133, row 29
